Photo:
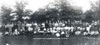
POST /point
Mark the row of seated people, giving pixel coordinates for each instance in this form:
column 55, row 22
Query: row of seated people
column 45, row 28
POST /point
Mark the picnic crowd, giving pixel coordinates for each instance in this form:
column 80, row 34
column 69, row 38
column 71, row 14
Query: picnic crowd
column 58, row 28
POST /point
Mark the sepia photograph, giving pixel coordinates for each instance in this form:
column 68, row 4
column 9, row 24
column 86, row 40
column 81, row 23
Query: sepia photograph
column 49, row 22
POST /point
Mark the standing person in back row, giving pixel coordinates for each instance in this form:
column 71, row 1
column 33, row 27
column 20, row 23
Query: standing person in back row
column 47, row 26
column 15, row 27
column 19, row 26
column 10, row 28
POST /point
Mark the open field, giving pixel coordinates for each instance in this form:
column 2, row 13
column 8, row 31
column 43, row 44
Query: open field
column 31, row 40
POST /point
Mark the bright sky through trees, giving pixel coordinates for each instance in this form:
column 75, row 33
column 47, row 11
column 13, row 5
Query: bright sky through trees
column 36, row 4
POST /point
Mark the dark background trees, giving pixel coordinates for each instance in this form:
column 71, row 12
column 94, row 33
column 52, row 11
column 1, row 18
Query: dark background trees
column 89, row 16
column 96, row 9
column 61, row 10
column 5, row 12
column 21, row 11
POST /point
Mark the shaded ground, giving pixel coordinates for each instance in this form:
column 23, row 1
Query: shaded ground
column 32, row 40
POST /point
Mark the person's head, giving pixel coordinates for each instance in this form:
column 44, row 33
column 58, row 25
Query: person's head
column 19, row 22
column 8, row 23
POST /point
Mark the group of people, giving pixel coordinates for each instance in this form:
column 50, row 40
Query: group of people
column 61, row 28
